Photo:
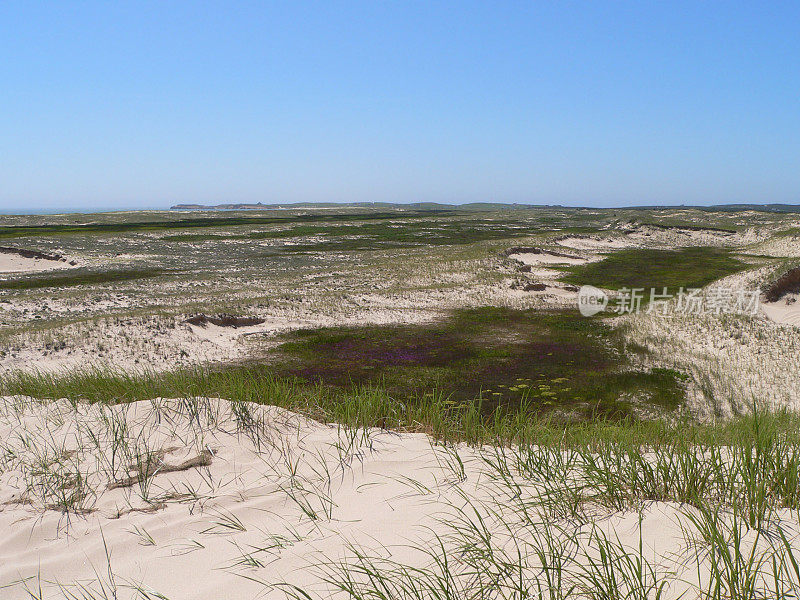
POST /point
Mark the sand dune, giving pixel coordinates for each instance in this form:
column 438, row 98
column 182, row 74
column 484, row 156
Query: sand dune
column 241, row 499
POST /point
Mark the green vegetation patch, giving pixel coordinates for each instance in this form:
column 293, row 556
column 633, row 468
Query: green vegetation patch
column 485, row 374
column 791, row 232
column 540, row 362
column 692, row 267
column 365, row 406
column 10, row 231
column 682, row 224
column 394, row 235
column 378, row 235
column 79, row 278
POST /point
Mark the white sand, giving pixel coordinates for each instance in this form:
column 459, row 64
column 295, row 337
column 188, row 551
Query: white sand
column 784, row 246
column 647, row 236
column 547, row 258
column 269, row 508
column 13, row 263
column 594, row 243
column 785, row 311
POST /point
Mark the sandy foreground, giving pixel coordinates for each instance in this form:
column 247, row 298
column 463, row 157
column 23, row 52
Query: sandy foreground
column 203, row 500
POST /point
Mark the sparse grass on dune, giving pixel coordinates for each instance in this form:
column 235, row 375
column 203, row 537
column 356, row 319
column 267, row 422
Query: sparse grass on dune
column 82, row 277
column 539, row 536
column 532, row 519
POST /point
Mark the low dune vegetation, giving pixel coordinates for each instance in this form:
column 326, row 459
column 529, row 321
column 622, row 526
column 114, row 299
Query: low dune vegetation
column 371, row 235
column 493, row 364
column 12, row 231
column 555, row 362
column 692, row 267
column 689, row 226
column 78, row 277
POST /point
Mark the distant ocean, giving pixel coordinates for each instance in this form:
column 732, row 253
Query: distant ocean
column 77, row 210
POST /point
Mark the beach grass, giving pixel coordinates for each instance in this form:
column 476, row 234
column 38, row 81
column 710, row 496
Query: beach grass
column 371, row 406
column 551, row 481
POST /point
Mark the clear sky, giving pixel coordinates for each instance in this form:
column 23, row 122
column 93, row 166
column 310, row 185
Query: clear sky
column 110, row 105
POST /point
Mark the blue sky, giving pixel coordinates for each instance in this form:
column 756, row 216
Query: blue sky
column 116, row 105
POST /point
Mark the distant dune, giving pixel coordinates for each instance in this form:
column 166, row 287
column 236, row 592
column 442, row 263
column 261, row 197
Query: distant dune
column 331, row 205
column 478, row 206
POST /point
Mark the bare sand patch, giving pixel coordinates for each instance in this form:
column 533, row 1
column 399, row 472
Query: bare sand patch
column 19, row 260
column 785, row 311
column 593, row 243
column 545, row 266
column 544, row 257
